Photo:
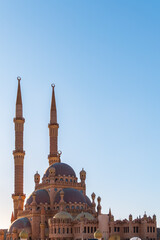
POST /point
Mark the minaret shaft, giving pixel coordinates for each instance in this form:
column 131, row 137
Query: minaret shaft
column 18, row 154
column 53, row 132
column 19, row 134
column 18, row 173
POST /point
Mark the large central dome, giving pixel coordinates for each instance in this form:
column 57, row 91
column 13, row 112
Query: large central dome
column 61, row 169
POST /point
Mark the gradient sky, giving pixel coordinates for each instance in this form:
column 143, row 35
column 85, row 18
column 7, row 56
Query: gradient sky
column 104, row 57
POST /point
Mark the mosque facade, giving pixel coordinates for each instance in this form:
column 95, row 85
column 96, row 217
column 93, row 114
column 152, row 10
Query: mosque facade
column 58, row 208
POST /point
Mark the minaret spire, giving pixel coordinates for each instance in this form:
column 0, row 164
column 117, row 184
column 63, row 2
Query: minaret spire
column 19, row 100
column 53, row 113
column 18, row 153
column 54, row 155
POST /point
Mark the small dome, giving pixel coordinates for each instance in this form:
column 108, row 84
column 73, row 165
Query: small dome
column 61, row 169
column 97, row 234
column 21, row 224
column 85, row 215
column 70, row 195
column 37, row 174
column 63, row 215
column 42, row 196
column 23, row 234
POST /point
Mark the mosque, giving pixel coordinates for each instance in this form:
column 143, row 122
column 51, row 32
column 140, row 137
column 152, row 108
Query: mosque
column 58, row 208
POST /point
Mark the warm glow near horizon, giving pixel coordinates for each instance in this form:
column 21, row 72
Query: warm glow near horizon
column 103, row 57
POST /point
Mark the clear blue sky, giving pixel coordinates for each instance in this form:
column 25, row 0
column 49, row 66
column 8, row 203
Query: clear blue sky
column 104, row 58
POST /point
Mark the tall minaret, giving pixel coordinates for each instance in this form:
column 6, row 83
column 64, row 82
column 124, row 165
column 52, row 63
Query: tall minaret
column 18, row 153
column 54, row 155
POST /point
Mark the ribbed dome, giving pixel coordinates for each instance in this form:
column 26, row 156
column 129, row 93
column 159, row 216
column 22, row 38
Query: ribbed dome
column 85, row 215
column 21, row 224
column 42, row 196
column 63, row 215
column 71, row 195
column 61, row 169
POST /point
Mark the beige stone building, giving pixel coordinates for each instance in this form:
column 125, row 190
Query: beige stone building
column 142, row 227
column 58, row 208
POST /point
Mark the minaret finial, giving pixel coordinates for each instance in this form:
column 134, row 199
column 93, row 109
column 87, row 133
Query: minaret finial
column 53, row 112
column 19, row 78
column 19, row 110
column 54, row 155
